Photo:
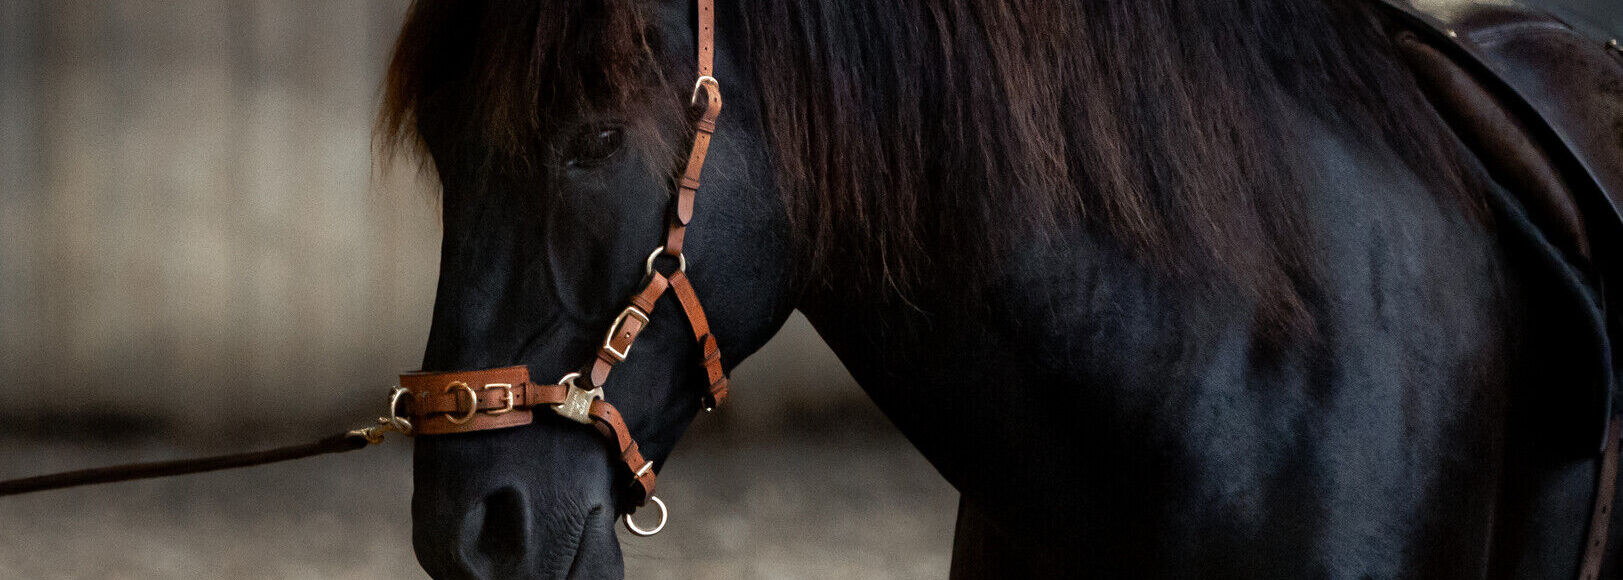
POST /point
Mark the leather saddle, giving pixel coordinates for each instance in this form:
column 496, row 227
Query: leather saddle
column 1540, row 104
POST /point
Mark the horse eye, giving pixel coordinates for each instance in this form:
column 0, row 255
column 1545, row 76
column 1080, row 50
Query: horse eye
column 594, row 146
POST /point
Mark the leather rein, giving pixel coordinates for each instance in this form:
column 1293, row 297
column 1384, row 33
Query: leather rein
column 440, row 403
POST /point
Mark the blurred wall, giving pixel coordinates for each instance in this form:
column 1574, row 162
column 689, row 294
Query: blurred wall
column 192, row 228
column 188, row 215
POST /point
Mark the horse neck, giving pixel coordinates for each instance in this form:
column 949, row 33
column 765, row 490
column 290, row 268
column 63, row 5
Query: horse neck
column 1076, row 371
column 956, row 359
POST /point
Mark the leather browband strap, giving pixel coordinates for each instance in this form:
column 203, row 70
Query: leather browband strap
column 463, row 401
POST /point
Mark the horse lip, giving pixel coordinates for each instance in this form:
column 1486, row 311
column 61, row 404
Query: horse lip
column 580, row 541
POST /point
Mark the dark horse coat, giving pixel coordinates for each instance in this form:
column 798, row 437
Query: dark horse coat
column 1165, row 288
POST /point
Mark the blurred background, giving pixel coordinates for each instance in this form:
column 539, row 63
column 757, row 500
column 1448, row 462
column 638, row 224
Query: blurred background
column 198, row 254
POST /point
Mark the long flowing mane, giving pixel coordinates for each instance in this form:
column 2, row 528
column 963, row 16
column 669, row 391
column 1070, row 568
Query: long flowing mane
column 902, row 129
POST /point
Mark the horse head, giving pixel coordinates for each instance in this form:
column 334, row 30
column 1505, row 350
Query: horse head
column 559, row 134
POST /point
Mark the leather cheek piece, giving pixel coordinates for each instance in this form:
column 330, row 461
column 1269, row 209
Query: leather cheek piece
column 608, row 421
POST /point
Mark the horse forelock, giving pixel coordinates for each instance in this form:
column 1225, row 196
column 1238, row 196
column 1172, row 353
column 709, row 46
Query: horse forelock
column 491, row 79
column 915, row 139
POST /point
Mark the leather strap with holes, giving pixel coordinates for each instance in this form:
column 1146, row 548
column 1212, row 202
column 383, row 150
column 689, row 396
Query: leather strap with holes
column 464, row 401
column 1600, row 517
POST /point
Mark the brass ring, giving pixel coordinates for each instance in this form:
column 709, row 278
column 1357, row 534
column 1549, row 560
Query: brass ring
column 473, row 404
column 681, row 260
column 632, row 526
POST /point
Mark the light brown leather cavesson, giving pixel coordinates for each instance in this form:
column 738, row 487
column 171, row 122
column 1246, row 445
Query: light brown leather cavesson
column 462, row 401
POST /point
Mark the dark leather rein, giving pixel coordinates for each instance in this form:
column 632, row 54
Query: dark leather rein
column 459, row 402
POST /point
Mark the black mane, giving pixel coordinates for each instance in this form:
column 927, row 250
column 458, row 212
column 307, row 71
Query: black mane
column 912, row 127
column 903, row 129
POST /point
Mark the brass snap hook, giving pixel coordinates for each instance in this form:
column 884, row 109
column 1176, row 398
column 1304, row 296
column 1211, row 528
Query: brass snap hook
column 394, row 422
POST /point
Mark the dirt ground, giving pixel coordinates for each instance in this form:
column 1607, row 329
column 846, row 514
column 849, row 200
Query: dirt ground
column 856, row 502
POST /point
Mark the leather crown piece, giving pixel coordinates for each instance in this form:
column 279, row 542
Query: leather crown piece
column 457, row 402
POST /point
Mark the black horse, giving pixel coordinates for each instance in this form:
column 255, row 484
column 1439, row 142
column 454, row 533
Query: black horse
column 1165, row 288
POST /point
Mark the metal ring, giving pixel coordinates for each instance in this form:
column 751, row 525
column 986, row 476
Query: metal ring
column 401, row 424
column 681, row 260
column 632, row 526
column 715, row 85
column 473, row 404
column 569, row 380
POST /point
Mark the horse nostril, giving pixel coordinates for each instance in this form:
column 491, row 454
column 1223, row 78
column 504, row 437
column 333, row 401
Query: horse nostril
column 503, row 527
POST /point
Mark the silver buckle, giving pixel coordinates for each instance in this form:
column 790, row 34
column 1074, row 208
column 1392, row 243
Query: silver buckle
column 577, row 405
column 614, row 329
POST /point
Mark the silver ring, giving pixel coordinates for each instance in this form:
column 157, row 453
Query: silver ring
column 401, row 424
column 681, row 260
column 632, row 526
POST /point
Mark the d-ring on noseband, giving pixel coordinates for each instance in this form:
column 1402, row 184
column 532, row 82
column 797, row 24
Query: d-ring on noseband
column 459, row 402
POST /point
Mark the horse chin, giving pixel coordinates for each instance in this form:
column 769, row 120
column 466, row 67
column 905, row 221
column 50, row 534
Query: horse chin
column 475, row 517
column 595, row 553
